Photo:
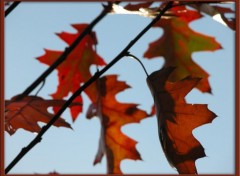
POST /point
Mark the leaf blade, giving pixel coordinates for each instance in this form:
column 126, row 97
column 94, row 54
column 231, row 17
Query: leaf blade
column 75, row 70
column 113, row 115
column 27, row 112
column 177, row 119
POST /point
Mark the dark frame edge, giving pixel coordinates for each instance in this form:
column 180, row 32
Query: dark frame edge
column 237, row 95
column 237, row 141
column 2, row 85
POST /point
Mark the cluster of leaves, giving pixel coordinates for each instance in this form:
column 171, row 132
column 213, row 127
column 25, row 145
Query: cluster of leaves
column 169, row 86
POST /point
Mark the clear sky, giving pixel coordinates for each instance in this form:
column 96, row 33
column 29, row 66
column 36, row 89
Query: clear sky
column 31, row 27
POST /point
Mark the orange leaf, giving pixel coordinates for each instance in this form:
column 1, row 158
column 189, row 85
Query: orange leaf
column 76, row 68
column 177, row 44
column 113, row 115
column 30, row 110
column 177, row 119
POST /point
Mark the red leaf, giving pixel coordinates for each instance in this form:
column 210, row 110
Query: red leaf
column 113, row 115
column 30, row 110
column 76, row 68
column 177, row 119
column 178, row 43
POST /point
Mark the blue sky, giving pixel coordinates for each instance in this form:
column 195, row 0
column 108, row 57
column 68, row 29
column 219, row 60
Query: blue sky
column 31, row 27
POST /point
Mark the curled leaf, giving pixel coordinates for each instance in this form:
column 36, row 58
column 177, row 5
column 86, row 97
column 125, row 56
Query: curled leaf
column 177, row 119
column 134, row 9
column 218, row 13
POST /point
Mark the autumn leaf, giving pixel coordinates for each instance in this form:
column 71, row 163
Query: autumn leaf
column 133, row 9
column 218, row 13
column 76, row 68
column 27, row 112
column 138, row 6
column 113, row 115
column 177, row 44
column 177, row 119
column 144, row 9
column 229, row 21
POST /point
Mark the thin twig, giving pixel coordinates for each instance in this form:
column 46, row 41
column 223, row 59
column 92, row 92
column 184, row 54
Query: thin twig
column 38, row 138
column 134, row 57
column 12, row 7
column 67, row 51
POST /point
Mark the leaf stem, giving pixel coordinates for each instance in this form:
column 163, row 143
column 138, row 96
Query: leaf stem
column 67, row 51
column 12, row 7
column 43, row 83
column 134, row 57
column 38, row 138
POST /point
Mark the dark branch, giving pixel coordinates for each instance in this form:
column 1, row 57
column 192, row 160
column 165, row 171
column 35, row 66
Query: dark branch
column 12, row 7
column 38, row 138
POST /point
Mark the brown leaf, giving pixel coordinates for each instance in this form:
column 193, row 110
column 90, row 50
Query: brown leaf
column 138, row 6
column 177, row 119
column 27, row 112
column 213, row 10
column 113, row 115
column 76, row 68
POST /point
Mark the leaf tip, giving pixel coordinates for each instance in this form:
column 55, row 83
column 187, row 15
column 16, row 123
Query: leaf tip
column 70, row 127
column 79, row 27
column 57, row 34
column 210, row 91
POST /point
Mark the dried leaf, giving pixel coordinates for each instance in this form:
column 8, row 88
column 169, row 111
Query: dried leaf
column 134, row 9
column 27, row 112
column 138, row 6
column 218, row 13
column 177, row 119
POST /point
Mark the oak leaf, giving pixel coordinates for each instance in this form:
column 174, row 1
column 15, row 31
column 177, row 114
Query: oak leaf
column 27, row 112
column 177, row 119
column 76, row 68
column 113, row 115
column 177, row 44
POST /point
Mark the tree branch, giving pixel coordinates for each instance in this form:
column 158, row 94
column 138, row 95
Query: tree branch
column 124, row 52
column 12, row 7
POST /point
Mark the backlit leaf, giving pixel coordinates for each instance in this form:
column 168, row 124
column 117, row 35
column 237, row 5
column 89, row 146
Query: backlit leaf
column 177, row 119
column 27, row 112
column 113, row 115
column 76, row 68
column 178, row 43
